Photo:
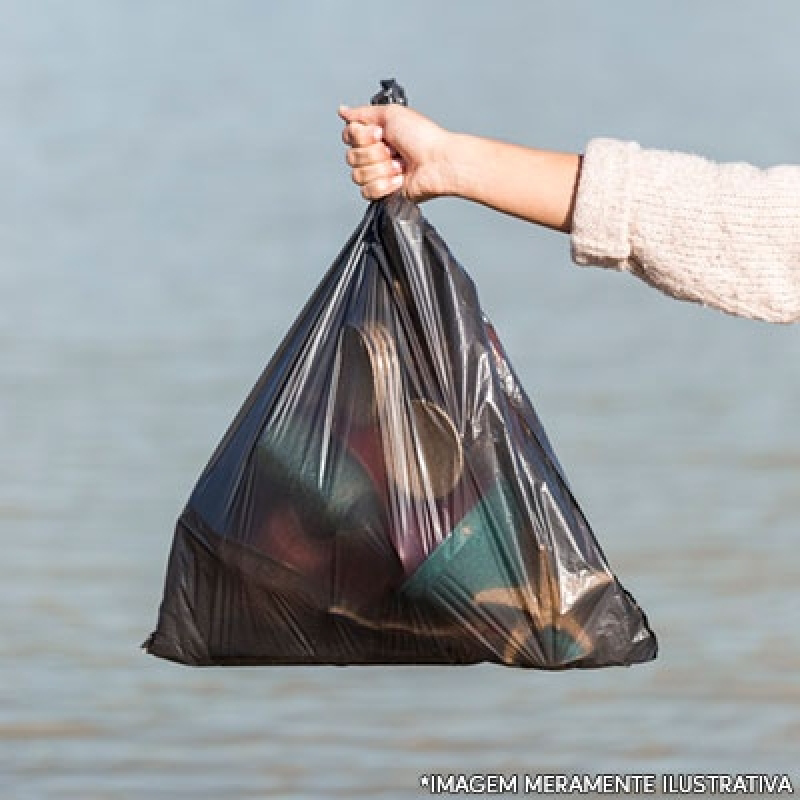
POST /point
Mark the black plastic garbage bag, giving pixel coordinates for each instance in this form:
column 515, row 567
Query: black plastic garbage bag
column 387, row 493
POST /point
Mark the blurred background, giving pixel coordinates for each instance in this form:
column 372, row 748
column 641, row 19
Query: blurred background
column 172, row 187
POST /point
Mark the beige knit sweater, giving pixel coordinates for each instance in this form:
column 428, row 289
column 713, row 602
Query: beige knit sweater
column 724, row 235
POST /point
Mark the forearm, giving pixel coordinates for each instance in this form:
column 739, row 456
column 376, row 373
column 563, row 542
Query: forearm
column 535, row 185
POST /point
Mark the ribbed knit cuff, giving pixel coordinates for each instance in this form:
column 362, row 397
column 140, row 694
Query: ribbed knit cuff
column 601, row 220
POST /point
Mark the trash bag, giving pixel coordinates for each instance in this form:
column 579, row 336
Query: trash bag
column 387, row 494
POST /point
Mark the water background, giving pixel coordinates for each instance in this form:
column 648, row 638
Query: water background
column 171, row 190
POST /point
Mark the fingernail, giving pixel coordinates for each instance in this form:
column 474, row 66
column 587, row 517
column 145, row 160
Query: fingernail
column 397, row 165
column 378, row 134
column 397, row 180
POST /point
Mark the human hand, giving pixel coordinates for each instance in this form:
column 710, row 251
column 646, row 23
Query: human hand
column 392, row 147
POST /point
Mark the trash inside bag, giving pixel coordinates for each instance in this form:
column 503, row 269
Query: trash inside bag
column 387, row 494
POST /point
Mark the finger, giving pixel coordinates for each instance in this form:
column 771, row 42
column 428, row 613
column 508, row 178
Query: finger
column 382, row 187
column 385, row 170
column 370, row 154
column 357, row 134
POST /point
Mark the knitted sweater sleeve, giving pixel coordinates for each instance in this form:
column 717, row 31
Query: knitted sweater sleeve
column 724, row 235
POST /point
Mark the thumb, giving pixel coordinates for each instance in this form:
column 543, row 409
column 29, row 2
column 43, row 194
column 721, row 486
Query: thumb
column 367, row 115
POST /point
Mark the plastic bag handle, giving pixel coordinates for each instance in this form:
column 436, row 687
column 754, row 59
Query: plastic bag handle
column 391, row 92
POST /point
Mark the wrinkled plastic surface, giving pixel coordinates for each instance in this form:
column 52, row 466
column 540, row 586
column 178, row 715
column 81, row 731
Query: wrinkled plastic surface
column 387, row 493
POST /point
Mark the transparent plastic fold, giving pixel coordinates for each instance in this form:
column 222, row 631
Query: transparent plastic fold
column 387, row 494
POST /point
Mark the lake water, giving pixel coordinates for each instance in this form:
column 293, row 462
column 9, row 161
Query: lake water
column 172, row 188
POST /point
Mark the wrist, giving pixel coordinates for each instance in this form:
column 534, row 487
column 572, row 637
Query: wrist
column 460, row 176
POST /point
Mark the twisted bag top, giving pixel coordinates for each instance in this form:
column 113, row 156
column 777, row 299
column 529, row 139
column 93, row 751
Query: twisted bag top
column 387, row 493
